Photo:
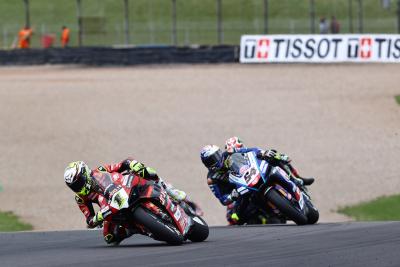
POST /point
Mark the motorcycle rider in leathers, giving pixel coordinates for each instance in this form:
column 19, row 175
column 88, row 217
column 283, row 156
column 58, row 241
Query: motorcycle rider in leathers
column 217, row 178
column 82, row 181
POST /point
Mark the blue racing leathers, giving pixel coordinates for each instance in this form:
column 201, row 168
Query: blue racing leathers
column 218, row 180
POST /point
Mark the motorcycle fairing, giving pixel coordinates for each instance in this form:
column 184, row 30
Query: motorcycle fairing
column 152, row 190
column 247, row 175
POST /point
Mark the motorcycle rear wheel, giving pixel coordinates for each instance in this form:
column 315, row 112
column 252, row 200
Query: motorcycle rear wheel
column 312, row 214
column 160, row 229
column 286, row 207
column 199, row 231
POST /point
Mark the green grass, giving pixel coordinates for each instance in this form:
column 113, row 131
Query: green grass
column 11, row 223
column 397, row 97
column 385, row 208
column 151, row 22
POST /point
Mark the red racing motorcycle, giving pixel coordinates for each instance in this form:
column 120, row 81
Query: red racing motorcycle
column 145, row 207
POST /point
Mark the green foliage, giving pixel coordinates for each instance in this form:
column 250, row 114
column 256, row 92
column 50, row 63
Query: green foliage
column 11, row 223
column 385, row 208
column 397, row 97
column 151, row 20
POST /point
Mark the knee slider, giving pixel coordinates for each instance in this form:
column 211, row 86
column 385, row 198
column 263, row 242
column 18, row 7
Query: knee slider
column 109, row 238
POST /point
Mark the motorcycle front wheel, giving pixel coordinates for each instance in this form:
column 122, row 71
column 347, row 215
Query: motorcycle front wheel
column 161, row 230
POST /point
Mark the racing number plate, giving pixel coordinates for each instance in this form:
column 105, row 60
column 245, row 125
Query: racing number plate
column 251, row 176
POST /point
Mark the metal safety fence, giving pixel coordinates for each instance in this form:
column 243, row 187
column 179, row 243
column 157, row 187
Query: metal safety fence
column 124, row 23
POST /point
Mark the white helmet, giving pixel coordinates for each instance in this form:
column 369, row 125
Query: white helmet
column 77, row 175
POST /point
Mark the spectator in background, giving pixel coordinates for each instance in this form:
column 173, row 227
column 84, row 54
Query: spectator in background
column 386, row 4
column 323, row 26
column 24, row 37
column 64, row 36
column 335, row 25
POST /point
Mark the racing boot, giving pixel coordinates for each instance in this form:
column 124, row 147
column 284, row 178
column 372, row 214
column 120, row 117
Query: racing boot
column 307, row 181
column 119, row 234
column 177, row 195
column 295, row 174
column 299, row 182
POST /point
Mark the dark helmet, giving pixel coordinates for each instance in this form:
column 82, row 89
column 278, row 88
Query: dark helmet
column 211, row 156
column 77, row 177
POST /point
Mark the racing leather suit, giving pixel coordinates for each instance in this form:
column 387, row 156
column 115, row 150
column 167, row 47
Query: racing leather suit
column 218, row 181
column 112, row 232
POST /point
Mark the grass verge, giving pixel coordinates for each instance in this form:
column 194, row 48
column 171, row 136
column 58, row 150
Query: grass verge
column 385, row 208
column 397, row 97
column 11, row 223
column 151, row 20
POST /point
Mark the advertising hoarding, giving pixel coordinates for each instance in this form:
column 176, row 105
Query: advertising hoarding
column 321, row 48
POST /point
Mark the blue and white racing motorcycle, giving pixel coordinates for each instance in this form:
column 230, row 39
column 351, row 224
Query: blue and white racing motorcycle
column 270, row 188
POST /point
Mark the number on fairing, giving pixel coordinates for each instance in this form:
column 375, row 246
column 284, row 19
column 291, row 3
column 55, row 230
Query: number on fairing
column 120, row 200
column 250, row 175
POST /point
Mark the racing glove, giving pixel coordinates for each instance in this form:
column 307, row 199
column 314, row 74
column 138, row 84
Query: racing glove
column 234, row 195
column 96, row 220
column 273, row 154
column 145, row 172
column 269, row 153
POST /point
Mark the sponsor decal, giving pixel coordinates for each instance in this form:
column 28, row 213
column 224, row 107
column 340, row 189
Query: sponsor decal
column 120, row 200
column 263, row 48
column 243, row 169
column 69, row 175
column 177, row 214
column 79, row 200
column 320, row 48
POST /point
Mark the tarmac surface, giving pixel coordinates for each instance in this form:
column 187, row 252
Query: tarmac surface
column 331, row 244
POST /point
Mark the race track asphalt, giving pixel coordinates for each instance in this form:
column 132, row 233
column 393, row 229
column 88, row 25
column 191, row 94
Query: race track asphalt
column 331, row 244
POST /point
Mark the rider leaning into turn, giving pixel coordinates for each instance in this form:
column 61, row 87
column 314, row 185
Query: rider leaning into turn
column 233, row 144
column 217, row 178
column 81, row 179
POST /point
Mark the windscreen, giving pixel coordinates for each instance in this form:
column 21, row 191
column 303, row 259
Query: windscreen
column 238, row 163
column 104, row 183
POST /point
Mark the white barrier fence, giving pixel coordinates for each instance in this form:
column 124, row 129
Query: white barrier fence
column 320, row 48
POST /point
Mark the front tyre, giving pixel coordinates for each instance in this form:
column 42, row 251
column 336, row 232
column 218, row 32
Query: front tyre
column 199, row 231
column 286, row 207
column 160, row 229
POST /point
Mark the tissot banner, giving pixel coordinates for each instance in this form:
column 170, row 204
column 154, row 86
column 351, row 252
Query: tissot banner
column 320, row 48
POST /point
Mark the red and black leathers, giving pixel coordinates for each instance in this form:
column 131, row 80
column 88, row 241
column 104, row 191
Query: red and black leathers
column 111, row 231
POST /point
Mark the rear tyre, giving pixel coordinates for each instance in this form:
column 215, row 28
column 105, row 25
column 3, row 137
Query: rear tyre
column 199, row 231
column 312, row 214
column 161, row 230
column 286, row 207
